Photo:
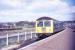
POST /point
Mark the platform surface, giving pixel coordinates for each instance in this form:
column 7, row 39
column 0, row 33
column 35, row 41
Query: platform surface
column 60, row 41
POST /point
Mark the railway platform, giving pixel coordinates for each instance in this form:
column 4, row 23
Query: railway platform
column 60, row 41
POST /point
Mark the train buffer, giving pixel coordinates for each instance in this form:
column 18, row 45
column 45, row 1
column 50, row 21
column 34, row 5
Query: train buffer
column 60, row 41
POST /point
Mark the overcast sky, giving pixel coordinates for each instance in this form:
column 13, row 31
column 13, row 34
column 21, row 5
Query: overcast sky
column 22, row 10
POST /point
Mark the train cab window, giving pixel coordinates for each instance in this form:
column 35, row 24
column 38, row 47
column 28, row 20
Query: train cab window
column 40, row 24
column 46, row 23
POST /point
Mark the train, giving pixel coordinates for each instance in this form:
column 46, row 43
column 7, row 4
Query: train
column 46, row 26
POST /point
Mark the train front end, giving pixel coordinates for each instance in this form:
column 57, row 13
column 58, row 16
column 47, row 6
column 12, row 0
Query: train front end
column 44, row 26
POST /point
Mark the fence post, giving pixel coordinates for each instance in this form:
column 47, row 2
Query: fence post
column 25, row 36
column 31, row 34
column 18, row 39
column 7, row 39
column 35, row 35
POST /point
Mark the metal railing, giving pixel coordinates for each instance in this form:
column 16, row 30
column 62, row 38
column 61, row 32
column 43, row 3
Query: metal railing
column 16, row 38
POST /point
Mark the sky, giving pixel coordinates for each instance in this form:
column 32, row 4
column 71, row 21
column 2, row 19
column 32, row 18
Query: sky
column 30, row 10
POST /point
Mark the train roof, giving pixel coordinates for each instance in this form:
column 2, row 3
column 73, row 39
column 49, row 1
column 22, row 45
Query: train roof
column 45, row 18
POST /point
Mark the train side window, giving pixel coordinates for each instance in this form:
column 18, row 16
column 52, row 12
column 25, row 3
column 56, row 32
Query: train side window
column 47, row 23
column 40, row 24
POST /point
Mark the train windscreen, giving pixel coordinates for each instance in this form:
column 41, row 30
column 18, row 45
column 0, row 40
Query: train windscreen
column 40, row 24
column 47, row 23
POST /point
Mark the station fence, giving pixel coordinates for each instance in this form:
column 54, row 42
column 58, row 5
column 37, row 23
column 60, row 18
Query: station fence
column 16, row 38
